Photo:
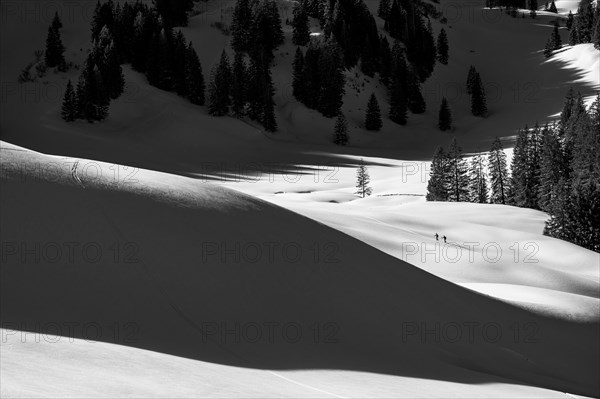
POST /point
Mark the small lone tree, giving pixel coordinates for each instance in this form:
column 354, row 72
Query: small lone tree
column 445, row 116
column 69, row 106
column 362, row 181
column 340, row 134
column 373, row 118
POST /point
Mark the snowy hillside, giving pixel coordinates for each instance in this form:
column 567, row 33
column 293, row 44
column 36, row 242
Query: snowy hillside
column 166, row 252
column 156, row 275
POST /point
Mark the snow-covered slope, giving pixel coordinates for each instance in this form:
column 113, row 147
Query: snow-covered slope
column 182, row 297
column 495, row 249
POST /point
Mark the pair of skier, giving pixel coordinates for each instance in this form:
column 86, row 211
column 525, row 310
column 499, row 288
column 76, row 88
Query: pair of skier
column 437, row 237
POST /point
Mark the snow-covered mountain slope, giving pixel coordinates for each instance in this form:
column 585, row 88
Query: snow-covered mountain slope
column 94, row 253
column 495, row 249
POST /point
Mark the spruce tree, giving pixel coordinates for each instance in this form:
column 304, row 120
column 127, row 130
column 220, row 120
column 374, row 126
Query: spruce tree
column 239, row 85
column 56, row 22
column 478, row 101
column 54, row 55
column 268, row 118
column 458, row 174
column 442, row 47
column 333, row 80
column 219, row 87
column 399, row 88
column 362, row 181
column 300, row 27
column 550, row 167
column 478, row 186
column 241, row 23
column 194, row 77
column 69, row 106
column 472, row 75
column 445, row 116
column 519, row 172
column 499, row 183
column 340, row 132
column 570, row 20
column 438, row 184
column 553, row 8
column 373, row 117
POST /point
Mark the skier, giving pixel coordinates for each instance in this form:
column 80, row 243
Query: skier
column 444, row 239
column 437, row 237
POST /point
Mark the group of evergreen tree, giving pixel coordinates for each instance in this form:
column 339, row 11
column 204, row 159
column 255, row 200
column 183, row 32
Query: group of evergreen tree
column 256, row 28
column 555, row 168
column 584, row 27
column 318, row 76
column 54, row 55
column 554, row 41
column 405, row 21
column 246, row 87
column 454, row 179
column 566, row 180
column 143, row 36
column 477, row 91
column 101, row 81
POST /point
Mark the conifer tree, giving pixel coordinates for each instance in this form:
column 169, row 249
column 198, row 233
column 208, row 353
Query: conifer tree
column 478, row 101
column 550, row 167
column 362, row 181
column 437, row 186
column 553, row 8
column 219, row 87
column 332, row 78
column 239, row 85
column 268, row 118
column 458, row 174
column 472, row 75
column 519, row 172
column 445, row 116
column 340, row 133
column 442, row 47
column 499, row 182
column 54, row 55
column 241, row 26
column 373, row 117
column 69, row 106
column 570, row 20
column 478, row 180
column 56, row 22
column 399, row 88
column 300, row 27
column 194, row 77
